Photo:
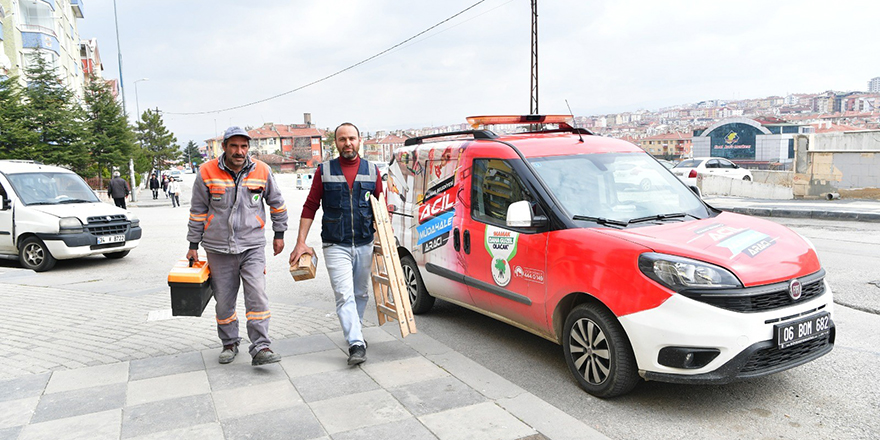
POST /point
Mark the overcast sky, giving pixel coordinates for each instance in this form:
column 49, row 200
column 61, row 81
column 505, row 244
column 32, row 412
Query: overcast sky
column 603, row 56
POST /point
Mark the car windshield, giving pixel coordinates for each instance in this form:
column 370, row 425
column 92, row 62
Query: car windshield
column 617, row 188
column 691, row 163
column 51, row 188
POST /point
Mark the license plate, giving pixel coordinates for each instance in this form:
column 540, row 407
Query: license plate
column 111, row 239
column 803, row 330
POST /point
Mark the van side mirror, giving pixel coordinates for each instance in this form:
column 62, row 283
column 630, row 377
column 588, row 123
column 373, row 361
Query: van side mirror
column 519, row 215
column 696, row 190
column 6, row 203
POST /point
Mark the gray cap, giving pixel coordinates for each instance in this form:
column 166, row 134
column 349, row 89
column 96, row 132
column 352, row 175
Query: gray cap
column 235, row 131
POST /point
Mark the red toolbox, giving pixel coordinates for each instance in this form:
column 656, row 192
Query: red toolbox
column 190, row 287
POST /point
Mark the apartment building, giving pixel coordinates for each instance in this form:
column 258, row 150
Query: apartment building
column 44, row 28
column 668, row 145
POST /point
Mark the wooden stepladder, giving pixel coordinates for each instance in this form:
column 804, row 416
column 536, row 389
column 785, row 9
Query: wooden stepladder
column 392, row 299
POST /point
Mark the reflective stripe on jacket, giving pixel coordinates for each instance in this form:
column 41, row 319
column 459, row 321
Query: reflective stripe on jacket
column 348, row 217
column 227, row 215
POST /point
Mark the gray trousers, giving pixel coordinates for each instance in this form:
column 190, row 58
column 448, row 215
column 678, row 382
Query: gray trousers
column 228, row 271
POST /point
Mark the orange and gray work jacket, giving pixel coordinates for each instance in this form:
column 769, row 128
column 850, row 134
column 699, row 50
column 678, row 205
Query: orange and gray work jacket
column 228, row 214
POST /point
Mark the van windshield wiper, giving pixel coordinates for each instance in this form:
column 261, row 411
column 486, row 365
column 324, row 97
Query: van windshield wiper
column 658, row 217
column 600, row 220
column 75, row 201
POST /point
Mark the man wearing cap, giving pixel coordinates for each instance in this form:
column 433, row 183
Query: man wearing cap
column 343, row 187
column 118, row 190
column 228, row 217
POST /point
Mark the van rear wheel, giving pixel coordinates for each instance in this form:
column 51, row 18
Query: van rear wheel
column 34, row 255
column 419, row 299
column 598, row 353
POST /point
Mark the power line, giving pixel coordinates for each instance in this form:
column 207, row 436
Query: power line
column 332, row 74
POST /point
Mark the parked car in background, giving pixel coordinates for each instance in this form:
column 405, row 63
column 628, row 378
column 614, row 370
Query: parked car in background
column 304, row 179
column 688, row 169
column 49, row 213
column 176, row 175
column 667, row 163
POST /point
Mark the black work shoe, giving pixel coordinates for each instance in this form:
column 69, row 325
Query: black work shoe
column 357, row 354
column 265, row 356
column 228, row 353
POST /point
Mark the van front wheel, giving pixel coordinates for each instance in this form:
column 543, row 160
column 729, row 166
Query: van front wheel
column 419, row 299
column 598, row 353
column 34, row 255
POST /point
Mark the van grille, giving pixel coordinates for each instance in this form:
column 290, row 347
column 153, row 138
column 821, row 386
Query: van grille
column 767, row 301
column 761, row 298
column 773, row 357
column 107, row 224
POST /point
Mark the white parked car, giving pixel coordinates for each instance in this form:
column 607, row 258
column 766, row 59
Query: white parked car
column 688, row 169
column 49, row 213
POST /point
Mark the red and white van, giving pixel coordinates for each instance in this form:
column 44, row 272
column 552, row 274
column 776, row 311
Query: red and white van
column 546, row 230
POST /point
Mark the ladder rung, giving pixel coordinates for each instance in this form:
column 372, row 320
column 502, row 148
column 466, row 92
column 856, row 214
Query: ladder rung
column 382, row 280
column 377, row 250
column 392, row 313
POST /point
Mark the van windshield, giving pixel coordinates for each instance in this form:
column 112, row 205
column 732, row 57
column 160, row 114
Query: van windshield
column 50, row 188
column 623, row 188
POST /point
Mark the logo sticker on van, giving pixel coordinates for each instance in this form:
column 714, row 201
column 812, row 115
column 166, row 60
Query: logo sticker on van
column 436, row 206
column 748, row 242
column 435, row 227
column 501, row 245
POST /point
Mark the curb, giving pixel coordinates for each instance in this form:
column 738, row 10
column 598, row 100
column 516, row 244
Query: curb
column 806, row 214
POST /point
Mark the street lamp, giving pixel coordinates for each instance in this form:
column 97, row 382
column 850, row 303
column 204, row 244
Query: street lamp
column 136, row 101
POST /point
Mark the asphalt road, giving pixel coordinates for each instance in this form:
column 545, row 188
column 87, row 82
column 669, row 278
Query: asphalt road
column 835, row 397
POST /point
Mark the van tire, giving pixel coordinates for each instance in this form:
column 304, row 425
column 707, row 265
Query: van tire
column 598, row 353
column 747, row 178
column 420, row 300
column 34, row 255
column 116, row 255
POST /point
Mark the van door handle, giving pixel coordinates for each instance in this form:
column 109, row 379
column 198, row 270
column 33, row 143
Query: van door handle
column 456, row 240
column 467, row 242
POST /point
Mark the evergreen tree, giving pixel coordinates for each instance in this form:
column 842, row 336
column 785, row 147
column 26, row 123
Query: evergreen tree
column 158, row 145
column 110, row 138
column 52, row 113
column 16, row 141
column 191, row 154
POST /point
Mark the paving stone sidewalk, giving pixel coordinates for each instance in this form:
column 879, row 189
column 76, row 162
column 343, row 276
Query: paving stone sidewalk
column 412, row 388
column 54, row 329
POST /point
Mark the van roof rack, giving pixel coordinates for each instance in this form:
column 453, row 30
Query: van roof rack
column 477, row 134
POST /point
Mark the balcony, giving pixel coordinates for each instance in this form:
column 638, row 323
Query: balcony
column 77, row 8
column 40, row 40
column 34, row 28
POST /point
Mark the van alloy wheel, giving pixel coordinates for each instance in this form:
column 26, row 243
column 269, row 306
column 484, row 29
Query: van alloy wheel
column 419, row 298
column 34, row 255
column 598, row 352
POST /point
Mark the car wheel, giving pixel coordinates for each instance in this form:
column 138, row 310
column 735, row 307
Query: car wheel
column 116, row 255
column 645, row 185
column 419, row 299
column 598, row 353
column 34, row 255
column 747, row 178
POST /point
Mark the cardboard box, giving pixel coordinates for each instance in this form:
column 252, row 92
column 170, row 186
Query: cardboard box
column 190, row 288
column 305, row 268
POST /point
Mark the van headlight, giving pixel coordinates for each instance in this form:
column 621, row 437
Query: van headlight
column 679, row 273
column 135, row 221
column 70, row 225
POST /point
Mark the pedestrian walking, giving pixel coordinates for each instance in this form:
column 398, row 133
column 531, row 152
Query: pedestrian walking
column 118, row 190
column 154, row 186
column 174, row 191
column 165, row 185
column 228, row 216
column 343, row 186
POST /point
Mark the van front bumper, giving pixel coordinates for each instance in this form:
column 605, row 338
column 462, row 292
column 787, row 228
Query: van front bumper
column 745, row 342
column 67, row 246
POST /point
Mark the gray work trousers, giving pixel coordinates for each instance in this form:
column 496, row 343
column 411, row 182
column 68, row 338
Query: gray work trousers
column 228, row 271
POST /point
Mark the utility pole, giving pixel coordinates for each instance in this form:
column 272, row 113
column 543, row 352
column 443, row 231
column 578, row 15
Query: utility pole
column 533, row 107
column 119, row 51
